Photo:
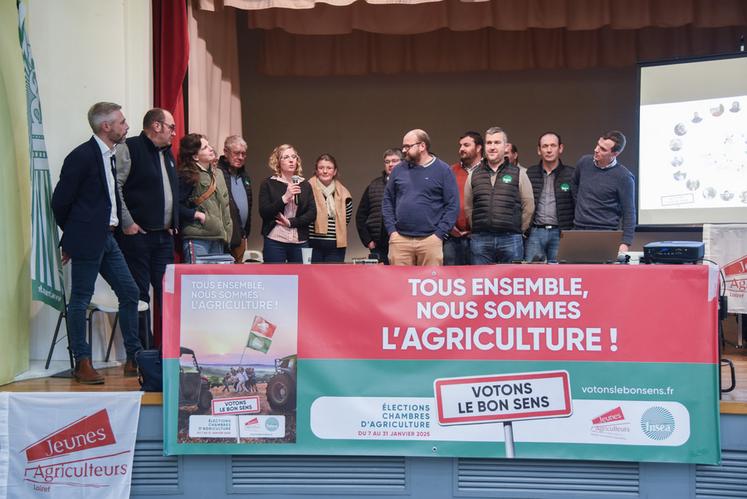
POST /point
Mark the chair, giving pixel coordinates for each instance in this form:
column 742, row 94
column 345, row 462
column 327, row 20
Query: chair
column 103, row 300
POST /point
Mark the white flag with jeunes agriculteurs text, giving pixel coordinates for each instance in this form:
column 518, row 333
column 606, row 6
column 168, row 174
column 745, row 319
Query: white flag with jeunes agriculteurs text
column 726, row 244
column 67, row 445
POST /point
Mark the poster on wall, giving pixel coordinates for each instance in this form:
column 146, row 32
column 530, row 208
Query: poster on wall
column 526, row 361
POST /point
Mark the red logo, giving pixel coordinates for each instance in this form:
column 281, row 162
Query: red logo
column 612, row 416
column 738, row 266
column 88, row 432
column 252, row 422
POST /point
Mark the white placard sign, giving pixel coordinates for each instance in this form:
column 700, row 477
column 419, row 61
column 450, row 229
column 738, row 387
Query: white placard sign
column 505, row 397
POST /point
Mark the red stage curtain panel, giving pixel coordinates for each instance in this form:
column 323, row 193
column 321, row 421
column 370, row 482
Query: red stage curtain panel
column 398, row 17
column 170, row 59
column 283, row 54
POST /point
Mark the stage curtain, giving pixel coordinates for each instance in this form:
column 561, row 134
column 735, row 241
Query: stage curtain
column 170, row 59
column 358, row 53
column 213, row 97
column 405, row 18
column 15, row 201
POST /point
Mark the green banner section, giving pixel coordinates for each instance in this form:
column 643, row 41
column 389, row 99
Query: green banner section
column 621, row 411
column 46, row 266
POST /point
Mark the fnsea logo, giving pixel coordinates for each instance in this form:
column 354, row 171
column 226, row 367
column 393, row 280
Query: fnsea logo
column 657, row 423
column 272, row 424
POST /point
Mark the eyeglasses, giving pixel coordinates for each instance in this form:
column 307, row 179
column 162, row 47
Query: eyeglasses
column 406, row 147
column 288, row 156
column 392, row 161
column 171, row 127
column 236, row 153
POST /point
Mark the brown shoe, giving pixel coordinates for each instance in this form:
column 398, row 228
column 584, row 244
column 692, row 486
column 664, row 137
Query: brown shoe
column 85, row 374
column 130, row 368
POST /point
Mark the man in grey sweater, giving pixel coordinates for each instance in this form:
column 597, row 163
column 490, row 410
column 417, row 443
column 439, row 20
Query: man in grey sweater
column 604, row 190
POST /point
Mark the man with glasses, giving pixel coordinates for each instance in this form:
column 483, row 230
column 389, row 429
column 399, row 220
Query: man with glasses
column 420, row 205
column 146, row 179
column 368, row 218
column 232, row 164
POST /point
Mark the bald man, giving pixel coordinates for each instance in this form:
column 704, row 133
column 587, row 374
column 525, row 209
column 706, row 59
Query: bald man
column 420, row 204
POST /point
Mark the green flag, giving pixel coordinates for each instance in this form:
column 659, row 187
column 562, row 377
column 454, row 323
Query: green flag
column 258, row 342
column 46, row 267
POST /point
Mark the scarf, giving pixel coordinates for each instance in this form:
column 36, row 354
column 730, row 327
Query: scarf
column 328, row 205
column 328, row 191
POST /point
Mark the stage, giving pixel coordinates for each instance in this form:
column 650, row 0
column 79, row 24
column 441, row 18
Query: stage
column 367, row 474
column 734, row 402
column 279, row 477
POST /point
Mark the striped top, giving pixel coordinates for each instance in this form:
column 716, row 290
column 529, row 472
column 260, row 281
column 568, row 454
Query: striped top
column 331, row 230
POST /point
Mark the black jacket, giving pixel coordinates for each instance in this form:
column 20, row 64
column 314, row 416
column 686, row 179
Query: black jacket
column 564, row 204
column 239, row 231
column 271, row 204
column 143, row 189
column 368, row 218
column 496, row 208
column 81, row 203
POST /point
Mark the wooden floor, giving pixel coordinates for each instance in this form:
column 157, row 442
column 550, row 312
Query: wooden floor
column 115, row 382
column 734, row 402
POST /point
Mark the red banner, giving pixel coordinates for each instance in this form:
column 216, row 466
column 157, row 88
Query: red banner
column 511, row 312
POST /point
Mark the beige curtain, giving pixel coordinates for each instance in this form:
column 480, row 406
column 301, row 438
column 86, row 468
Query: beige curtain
column 15, row 202
column 346, row 37
column 283, row 54
column 214, row 103
column 406, row 18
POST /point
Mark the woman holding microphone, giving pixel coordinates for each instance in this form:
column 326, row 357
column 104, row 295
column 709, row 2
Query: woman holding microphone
column 286, row 205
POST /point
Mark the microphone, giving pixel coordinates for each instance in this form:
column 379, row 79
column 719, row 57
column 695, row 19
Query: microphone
column 296, row 180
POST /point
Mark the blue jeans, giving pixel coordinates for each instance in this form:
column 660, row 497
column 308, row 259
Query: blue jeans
column 456, row 251
column 277, row 252
column 192, row 248
column 326, row 251
column 113, row 268
column 542, row 245
column 487, row 248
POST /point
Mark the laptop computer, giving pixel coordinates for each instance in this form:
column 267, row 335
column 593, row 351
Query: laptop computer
column 589, row 246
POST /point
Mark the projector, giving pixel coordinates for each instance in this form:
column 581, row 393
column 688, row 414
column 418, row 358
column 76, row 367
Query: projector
column 673, row 252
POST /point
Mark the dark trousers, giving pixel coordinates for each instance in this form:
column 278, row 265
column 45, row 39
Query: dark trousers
column 326, row 251
column 381, row 251
column 457, row 251
column 277, row 252
column 147, row 256
column 112, row 267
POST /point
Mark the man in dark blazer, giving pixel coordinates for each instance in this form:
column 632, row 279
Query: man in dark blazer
column 149, row 190
column 85, row 206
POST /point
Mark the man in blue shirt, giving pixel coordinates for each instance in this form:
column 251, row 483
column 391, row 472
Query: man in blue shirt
column 420, row 204
column 605, row 190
